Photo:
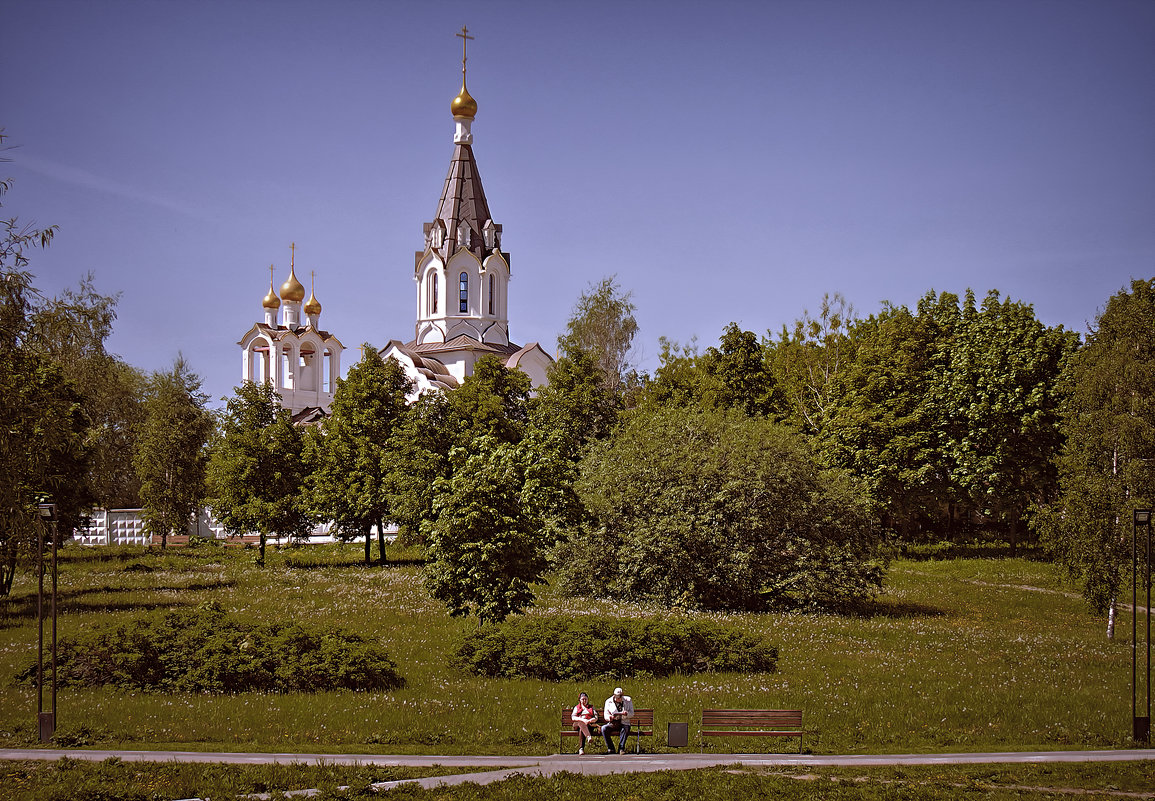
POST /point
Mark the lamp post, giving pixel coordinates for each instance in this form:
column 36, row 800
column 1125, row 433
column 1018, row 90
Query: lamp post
column 45, row 720
column 1140, row 724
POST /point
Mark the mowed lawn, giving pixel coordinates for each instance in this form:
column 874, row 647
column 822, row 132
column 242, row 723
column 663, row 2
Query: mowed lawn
column 962, row 655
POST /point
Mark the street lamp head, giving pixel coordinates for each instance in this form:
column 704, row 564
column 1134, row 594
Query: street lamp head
column 47, row 511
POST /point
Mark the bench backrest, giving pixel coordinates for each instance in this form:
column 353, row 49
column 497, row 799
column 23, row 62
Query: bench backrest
column 782, row 718
column 641, row 717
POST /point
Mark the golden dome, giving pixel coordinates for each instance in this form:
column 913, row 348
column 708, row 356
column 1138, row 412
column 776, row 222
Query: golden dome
column 464, row 105
column 271, row 300
column 313, row 306
column 293, row 290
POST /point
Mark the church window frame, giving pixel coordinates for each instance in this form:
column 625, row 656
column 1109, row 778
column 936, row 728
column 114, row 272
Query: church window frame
column 463, row 292
column 492, row 288
column 433, row 295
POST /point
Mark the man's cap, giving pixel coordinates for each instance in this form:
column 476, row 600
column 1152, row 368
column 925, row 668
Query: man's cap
column 617, row 690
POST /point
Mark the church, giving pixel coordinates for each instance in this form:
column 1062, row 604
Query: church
column 462, row 313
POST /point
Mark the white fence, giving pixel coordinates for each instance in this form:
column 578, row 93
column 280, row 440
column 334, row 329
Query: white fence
column 125, row 527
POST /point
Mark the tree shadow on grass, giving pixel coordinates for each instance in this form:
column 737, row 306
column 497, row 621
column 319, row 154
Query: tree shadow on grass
column 16, row 615
column 356, row 564
column 886, row 607
column 23, row 607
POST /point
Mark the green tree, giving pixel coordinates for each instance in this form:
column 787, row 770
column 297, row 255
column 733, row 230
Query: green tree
column 1001, row 380
column 717, row 510
column 602, row 324
column 423, row 442
column 880, row 425
column 257, row 471
column 489, row 536
column 42, row 440
column 575, row 407
column 493, row 401
column 739, row 376
column 1106, row 464
column 807, row 361
column 171, row 455
column 71, row 330
column 353, row 482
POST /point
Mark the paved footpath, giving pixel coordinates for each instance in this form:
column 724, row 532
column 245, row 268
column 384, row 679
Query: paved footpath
column 496, row 768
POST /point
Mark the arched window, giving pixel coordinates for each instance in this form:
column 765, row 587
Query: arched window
column 463, row 292
column 434, row 303
column 491, row 283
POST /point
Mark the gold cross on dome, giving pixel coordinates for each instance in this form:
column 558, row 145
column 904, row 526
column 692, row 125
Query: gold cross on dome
column 465, row 37
column 293, row 256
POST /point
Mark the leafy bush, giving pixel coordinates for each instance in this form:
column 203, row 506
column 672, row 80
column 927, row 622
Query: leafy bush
column 568, row 649
column 716, row 510
column 202, row 650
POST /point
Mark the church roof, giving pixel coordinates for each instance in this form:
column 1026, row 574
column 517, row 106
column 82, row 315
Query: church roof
column 463, row 342
column 309, row 416
column 463, row 203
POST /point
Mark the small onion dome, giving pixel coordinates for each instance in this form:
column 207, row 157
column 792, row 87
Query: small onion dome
column 312, row 306
column 293, row 290
column 464, row 105
column 271, row 300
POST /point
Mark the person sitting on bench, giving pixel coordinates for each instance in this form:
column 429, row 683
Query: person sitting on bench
column 618, row 710
column 583, row 716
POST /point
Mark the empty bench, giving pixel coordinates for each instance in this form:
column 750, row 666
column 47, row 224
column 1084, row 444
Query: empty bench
column 752, row 723
column 174, row 540
column 641, row 725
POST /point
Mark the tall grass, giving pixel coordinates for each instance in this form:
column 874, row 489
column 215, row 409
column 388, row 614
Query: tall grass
column 957, row 655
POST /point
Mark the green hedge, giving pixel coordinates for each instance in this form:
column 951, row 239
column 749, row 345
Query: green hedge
column 203, row 650
column 569, row 649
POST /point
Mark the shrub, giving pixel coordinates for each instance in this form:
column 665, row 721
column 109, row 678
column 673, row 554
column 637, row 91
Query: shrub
column 202, row 650
column 716, row 510
column 569, row 649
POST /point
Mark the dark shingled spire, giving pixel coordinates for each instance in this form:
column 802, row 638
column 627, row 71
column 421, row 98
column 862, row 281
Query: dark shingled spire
column 463, row 205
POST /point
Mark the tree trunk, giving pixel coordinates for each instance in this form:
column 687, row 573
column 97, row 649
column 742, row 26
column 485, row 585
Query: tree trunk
column 261, row 558
column 381, row 540
column 368, row 545
column 1111, row 617
column 7, row 573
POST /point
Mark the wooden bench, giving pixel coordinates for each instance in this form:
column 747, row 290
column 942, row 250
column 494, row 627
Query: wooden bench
column 241, row 542
column 641, row 725
column 752, row 723
column 174, row 540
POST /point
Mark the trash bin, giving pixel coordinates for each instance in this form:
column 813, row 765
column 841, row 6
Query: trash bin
column 677, row 735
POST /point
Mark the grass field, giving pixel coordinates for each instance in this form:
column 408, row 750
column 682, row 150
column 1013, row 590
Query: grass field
column 113, row 780
column 961, row 655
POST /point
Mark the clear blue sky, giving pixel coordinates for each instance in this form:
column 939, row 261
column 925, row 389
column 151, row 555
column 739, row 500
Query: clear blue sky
column 727, row 160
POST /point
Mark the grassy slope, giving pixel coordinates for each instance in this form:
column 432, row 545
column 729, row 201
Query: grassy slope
column 952, row 660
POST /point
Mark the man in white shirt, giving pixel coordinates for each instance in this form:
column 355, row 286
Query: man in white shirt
column 618, row 710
